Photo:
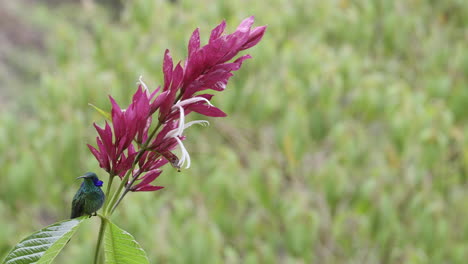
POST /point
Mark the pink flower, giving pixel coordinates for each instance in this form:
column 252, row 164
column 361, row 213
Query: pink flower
column 207, row 67
column 127, row 125
column 145, row 184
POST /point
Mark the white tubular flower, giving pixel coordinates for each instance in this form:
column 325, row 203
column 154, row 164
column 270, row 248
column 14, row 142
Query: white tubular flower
column 174, row 132
column 191, row 101
column 140, row 81
column 177, row 132
column 182, row 126
column 185, row 154
column 180, row 129
column 201, row 122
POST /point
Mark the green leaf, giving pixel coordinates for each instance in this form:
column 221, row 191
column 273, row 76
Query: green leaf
column 121, row 248
column 107, row 115
column 44, row 245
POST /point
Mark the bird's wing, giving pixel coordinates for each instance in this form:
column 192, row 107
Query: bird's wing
column 77, row 208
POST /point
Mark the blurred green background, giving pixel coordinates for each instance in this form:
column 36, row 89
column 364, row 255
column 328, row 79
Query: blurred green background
column 346, row 140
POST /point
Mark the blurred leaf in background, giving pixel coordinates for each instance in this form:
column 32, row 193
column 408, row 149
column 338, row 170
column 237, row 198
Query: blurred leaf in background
column 346, row 140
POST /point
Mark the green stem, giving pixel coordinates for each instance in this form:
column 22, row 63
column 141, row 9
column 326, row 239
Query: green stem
column 112, row 203
column 116, row 194
column 100, row 237
column 111, row 178
column 127, row 189
column 109, row 184
column 118, row 201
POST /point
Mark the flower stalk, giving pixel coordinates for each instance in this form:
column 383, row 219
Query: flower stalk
column 126, row 148
column 102, row 229
column 127, row 175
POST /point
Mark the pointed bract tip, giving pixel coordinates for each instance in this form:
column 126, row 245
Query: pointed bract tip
column 246, row 24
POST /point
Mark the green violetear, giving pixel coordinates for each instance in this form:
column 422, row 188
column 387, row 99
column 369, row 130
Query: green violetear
column 89, row 198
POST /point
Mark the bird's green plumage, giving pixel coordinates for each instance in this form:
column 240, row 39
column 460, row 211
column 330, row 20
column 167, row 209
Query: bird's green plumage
column 89, row 198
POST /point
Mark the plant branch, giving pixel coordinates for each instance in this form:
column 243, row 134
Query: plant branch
column 127, row 176
column 100, row 237
column 112, row 202
column 109, row 184
column 120, row 199
column 117, row 192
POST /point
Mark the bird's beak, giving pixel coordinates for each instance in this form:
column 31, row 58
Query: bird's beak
column 84, row 176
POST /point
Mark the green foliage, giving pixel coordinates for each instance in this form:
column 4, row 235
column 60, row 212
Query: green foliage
column 346, row 140
column 43, row 246
column 121, row 248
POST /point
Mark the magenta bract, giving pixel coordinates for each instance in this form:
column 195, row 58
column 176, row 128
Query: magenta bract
column 129, row 138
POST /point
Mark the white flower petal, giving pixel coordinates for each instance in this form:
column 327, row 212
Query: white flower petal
column 171, row 133
column 145, row 87
column 201, row 122
column 140, row 81
column 180, row 129
column 185, row 154
column 174, row 132
column 191, row 101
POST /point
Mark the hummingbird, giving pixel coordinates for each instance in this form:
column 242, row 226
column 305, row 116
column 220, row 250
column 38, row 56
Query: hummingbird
column 89, row 198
